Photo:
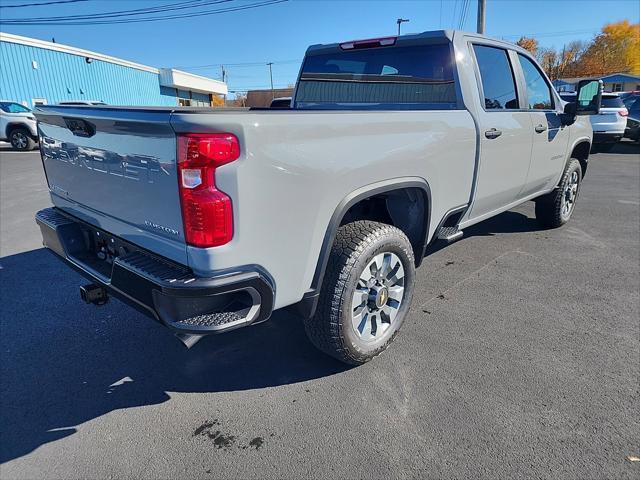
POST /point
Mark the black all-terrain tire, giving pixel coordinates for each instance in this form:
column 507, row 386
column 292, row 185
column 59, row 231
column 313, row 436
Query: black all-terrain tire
column 21, row 139
column 549, row 207
column 355, row 246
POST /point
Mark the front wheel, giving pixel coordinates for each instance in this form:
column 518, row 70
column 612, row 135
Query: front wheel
column 21, row 139
column 555, row 209
column 366, row 292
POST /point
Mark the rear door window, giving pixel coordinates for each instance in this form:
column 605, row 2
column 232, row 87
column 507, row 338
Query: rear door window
column 415, row 77
column 498, row 83
column 538, row 90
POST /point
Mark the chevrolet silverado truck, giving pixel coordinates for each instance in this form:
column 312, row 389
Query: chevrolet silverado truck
column 210, row 220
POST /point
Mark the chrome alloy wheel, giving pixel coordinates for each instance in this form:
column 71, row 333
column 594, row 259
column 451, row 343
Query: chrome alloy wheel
column 19, row 140
column 569, row 195
column 377, row 297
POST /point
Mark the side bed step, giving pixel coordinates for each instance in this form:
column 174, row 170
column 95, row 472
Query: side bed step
column 450, row 234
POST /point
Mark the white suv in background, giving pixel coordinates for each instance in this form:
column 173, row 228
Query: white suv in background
column 18, row 126
column 609, row 125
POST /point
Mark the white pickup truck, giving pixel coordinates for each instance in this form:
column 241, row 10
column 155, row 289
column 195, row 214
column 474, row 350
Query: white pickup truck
column 209, row 220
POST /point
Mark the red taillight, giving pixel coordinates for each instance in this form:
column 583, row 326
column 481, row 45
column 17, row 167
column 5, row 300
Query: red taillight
column 207, row 212
column 623, row 113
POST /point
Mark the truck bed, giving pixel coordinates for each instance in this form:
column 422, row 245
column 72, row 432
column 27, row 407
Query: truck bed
column 295, row 165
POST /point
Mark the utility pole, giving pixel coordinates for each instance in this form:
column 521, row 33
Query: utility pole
column 482, row 7
column 224, row 78
column 400, row 21
column 271, row 77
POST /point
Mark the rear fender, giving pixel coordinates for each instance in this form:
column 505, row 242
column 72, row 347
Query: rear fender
column 307, row 306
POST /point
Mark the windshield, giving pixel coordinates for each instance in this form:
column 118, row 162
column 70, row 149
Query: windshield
column 419, row 77
column 11, row 107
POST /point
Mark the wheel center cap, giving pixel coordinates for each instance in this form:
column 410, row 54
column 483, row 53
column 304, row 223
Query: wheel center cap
column 379, row 295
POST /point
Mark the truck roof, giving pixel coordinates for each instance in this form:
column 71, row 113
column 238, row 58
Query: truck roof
column 432, row 36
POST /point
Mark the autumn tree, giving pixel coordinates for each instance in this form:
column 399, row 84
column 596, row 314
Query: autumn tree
column 528, row 43
column 615, row 49
column 217, row 101
column 548, row 59
column 569, row 59
column 240, row 100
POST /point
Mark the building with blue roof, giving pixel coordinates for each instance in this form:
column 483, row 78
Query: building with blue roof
column 38, row 72
column 615, row 82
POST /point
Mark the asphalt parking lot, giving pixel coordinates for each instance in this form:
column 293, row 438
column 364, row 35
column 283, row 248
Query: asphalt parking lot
column 520, row 358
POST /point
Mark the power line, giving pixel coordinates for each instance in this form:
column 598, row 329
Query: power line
column 22, row 5
column 152, row 19
column 455, row 9
column 246, row 88
column 235, row 65
column 552, row 34
column 123, row 13
column 463, row 14
column 466, row 14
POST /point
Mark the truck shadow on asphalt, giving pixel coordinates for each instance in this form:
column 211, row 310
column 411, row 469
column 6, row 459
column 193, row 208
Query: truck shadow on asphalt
column 506, row 222
column 65, row 363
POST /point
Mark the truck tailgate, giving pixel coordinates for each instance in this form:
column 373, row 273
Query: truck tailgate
column 115, row 168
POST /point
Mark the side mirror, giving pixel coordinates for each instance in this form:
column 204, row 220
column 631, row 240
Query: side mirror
column 571, row 108
column 588, row 97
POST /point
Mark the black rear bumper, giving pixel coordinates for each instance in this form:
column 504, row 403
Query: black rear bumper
column 164, row 290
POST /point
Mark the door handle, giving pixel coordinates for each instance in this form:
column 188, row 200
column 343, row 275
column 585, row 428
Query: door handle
column 492, row 133
column 541, row 128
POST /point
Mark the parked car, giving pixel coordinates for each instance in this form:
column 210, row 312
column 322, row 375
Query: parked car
column 632, row 131
column 609, row 125
column 18, row 126
column 82, row 102
column 326, row 208
column 282, row 102
column 624, row 95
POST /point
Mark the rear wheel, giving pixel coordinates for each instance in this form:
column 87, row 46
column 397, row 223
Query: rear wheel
column 555, row 209
column 21, row 139
column 366, row 292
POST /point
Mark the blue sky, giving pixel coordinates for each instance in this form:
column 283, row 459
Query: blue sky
column 280, row 33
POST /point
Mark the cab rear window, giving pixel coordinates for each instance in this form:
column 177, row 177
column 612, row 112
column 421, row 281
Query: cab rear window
column 414, row 77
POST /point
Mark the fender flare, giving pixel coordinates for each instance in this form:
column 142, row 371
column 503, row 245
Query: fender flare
column 307, row 306
column 577, row 142
column 574, row 144
column 13, row 125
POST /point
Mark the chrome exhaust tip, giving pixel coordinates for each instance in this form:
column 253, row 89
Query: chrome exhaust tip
column 189, row 340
